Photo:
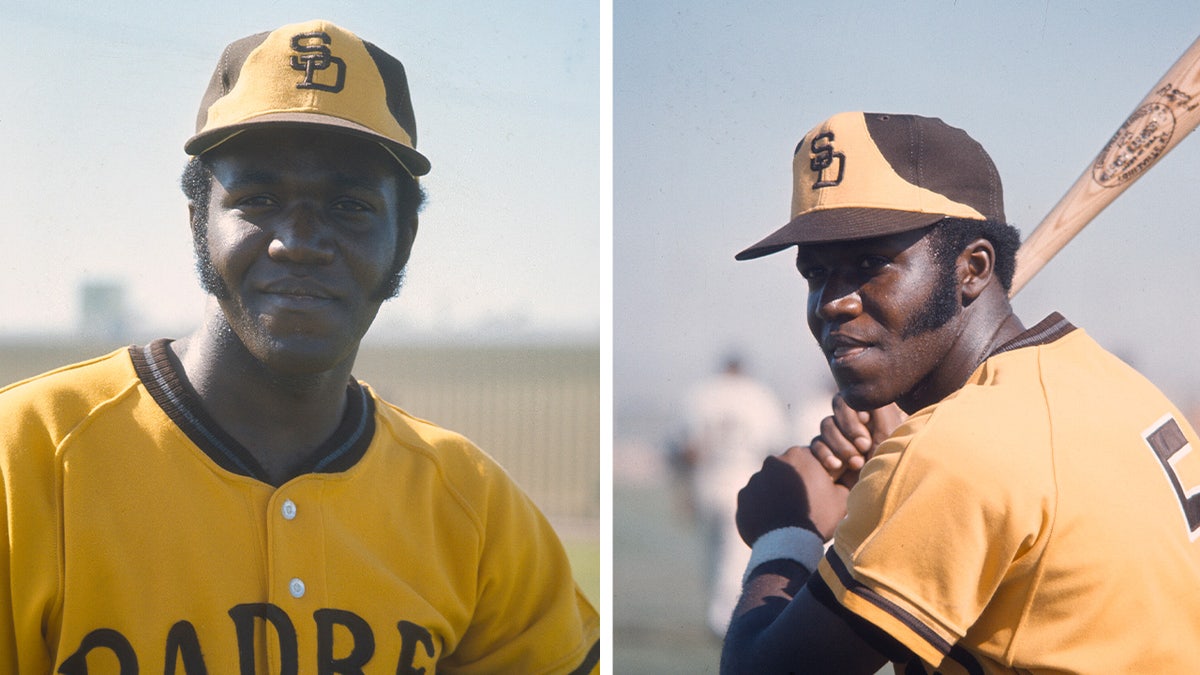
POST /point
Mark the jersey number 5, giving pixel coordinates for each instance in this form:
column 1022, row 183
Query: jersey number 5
column 1170, row 445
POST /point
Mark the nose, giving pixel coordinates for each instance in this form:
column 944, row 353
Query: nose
column 836, row 300
column 300, row 236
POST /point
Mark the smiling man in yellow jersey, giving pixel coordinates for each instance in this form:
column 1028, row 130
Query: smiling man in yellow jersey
column 235, row 501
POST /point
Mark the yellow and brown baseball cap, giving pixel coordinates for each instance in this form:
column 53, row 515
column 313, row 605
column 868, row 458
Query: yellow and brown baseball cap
column 312, row 73
column 859, row 175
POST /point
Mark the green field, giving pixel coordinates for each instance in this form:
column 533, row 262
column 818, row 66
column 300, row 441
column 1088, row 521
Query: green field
column 658, row 595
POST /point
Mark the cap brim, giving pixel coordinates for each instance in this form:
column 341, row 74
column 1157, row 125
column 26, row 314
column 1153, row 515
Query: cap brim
column 416, row 163
column 841, row 224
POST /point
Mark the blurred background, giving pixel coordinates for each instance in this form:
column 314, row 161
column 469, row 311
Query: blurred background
column 709, row 101
column 496, row 333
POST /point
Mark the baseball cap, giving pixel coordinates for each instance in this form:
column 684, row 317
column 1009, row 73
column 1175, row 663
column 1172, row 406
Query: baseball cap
column 859, row 175
column 311, row 73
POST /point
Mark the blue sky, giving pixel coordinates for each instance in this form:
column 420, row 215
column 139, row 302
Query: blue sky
column 100, row 97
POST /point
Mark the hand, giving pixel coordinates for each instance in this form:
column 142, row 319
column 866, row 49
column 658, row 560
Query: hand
column 791, row 489
column 849, row 437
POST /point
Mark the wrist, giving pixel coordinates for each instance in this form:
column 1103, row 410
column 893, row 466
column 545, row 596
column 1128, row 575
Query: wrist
column 798, row 544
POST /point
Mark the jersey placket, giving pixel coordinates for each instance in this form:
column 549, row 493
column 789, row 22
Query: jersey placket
column 295, row 569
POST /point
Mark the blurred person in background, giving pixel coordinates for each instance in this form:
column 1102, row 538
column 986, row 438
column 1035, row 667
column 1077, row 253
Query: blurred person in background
column 731, row 422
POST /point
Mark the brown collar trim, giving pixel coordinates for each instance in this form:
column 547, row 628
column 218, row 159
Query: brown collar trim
column 162, row 377
column 1046, row 331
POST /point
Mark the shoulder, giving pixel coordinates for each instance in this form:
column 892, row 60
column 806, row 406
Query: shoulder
column 1078, row 368
column 1012, row 396
column 61, row 398
column 444, row 447
column 996, row 430
column 452, row 462
column 1003, row 405
column 1065, row 390
column 114, row 365
column 1008, row 421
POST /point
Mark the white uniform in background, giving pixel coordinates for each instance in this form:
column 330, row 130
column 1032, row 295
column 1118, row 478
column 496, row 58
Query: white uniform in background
column 731, row 423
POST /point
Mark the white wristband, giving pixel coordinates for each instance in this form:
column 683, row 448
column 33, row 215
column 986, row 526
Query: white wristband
column 786, row 543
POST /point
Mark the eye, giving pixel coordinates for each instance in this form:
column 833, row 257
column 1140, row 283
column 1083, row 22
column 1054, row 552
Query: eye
column 351, row 205
column 257, row 201
column 872, row 263
column 810, row 272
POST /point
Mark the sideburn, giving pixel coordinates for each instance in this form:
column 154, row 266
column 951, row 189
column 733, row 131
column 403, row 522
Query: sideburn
column 210, row 279
column 939, row 307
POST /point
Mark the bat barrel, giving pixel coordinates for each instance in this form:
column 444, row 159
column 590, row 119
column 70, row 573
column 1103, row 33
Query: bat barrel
column 1164, row 117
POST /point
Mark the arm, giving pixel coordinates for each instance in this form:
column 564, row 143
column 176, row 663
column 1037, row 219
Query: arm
column 530, row 616
column 779, row 625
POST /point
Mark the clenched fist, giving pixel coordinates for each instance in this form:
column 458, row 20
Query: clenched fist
column 790, row 490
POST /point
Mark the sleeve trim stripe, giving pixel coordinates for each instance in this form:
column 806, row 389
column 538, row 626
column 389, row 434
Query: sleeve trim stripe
column 590, row 661
column 966, row 660
column 856, row 588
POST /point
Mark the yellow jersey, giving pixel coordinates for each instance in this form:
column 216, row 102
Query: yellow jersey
column 139, row 537
column 1043, row 518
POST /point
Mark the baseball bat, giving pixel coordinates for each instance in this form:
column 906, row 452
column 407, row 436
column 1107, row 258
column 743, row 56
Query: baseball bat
column 1163, row 118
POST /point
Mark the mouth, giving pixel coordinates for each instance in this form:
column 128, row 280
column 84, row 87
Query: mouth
column 298, row 292
column 841, row 349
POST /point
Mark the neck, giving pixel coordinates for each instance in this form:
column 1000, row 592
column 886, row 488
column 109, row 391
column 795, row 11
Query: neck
column 977, row 331
column 281, row 418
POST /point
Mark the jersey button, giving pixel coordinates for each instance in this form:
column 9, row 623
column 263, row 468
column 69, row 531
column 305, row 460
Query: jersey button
column 288, row 509
column 296, row 588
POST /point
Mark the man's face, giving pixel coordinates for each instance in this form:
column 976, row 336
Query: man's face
column 303, row 228
column 883, row 311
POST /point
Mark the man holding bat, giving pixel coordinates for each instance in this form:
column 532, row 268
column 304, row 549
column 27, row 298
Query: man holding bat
column 1037, row 511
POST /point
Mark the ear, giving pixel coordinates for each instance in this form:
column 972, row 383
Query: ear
column 976, row 269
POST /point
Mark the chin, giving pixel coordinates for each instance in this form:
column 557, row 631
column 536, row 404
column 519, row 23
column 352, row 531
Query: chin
column 300, row 356
column 861, row 396
column 290, row 349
